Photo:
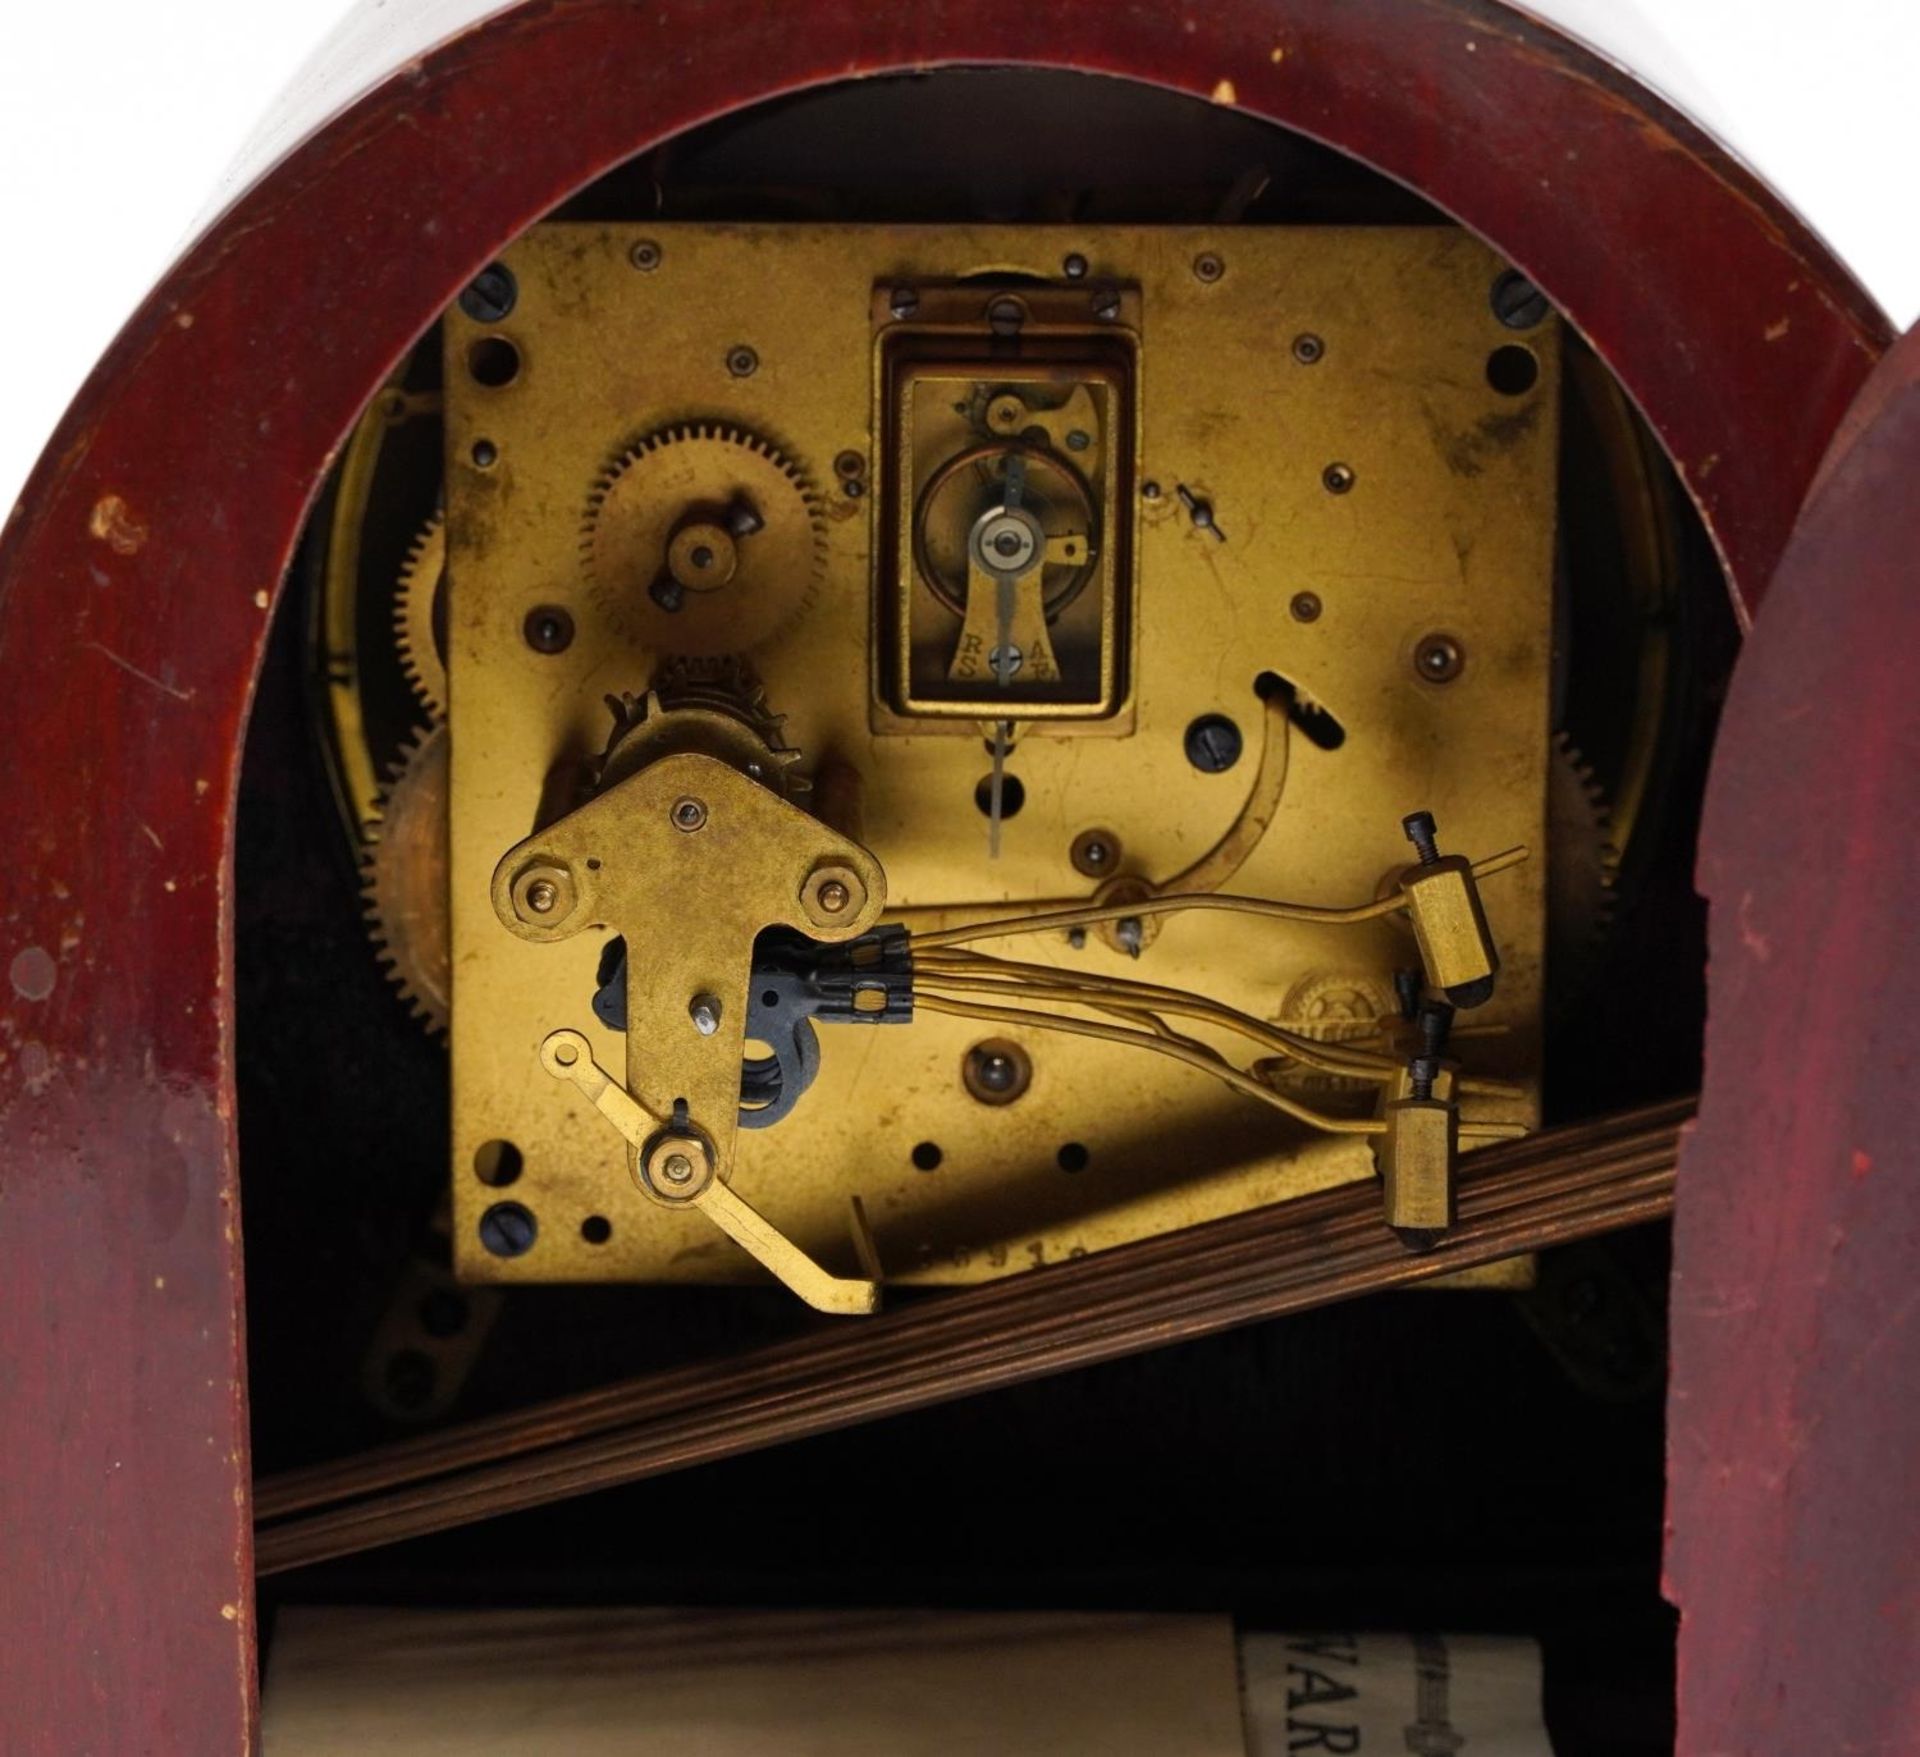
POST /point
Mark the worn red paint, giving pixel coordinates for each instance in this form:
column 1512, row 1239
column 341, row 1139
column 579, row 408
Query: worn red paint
column 1794, row 1445
column 131, row 625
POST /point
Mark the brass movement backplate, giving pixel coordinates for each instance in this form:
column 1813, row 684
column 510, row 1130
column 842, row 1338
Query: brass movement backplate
column 1314, row 486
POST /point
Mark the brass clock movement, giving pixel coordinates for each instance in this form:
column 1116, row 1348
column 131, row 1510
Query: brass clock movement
column 943, row 749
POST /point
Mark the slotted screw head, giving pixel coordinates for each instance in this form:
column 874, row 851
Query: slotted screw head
column 508, row 1230
column 1214, row 744
column 490, row 295
column 1517, row 302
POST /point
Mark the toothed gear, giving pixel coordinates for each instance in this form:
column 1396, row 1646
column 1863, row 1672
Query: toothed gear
column 714, row 706
column 419, row 617
column 1583, row 867
column 404, row 879
column 679, row 498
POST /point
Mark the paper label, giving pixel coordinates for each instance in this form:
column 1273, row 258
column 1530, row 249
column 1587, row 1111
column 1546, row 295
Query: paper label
column 1409, row 1695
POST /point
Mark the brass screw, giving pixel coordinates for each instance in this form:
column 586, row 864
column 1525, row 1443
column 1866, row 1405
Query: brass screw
column 541, row 891
column 1306, row 607
column 1438, row 658
column 688, row 814
column 831, row 891
column 1005, row 315
column 997, row 1071
column 548, row 628
column 1094, row 853
column 677, row 1168
column 1208, row 268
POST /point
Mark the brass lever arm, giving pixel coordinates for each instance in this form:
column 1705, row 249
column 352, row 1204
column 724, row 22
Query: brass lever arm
column 852, row 1296
column 568, row 1056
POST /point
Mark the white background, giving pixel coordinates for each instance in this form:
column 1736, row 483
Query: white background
column 122, row 122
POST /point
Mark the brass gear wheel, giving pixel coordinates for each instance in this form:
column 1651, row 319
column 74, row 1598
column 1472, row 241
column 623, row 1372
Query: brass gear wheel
column 703, row 539
column 714, row 706
column 419, row 617
column 404, row 879
column 1583, row 868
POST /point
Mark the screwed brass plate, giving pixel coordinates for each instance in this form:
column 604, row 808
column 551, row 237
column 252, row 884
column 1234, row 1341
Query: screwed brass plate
column 946, row 396
column 1370, row 491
